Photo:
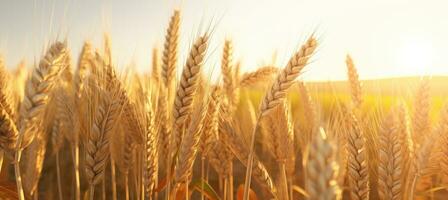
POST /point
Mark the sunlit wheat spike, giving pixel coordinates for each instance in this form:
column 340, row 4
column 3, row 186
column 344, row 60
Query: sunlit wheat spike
column 63, row 125
column 260, row 75
column 280, row 136
column 390, row 162
column 84, row 61
column 107, row 49
column 211, row 123
column 151, row 151
column 165, row 136
column 420, row 161
column 321, row 169
column 169, row 56
column 443, row 131
column 38, row 89
column 128, row 154
column 186, row 89
column 358, row 172
column 155, row 66
column 285, row 79
column 420, row 118
column 355, row 84
column 32, row 162
column 277, row 93
column 227, row 67
column 311, row 115
column 189, row 145
column 5, row 90
column 20, row 75
column 97, row 145
column 403, row 127
column 8, row 131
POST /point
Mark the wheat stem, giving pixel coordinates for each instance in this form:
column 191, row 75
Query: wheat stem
column 58, row 176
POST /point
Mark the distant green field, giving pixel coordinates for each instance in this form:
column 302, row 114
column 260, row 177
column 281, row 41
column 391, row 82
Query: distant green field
column 378, row 94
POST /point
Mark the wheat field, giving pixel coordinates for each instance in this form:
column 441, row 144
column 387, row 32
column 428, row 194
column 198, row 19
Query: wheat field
column 79, row 128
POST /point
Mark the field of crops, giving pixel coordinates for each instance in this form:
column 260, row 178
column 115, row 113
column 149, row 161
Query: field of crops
column 84, row 128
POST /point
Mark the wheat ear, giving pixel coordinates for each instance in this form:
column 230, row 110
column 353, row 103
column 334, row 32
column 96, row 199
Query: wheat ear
column 355, row 84
column 420, row 162
column 226, row 67
column 165, row 136
column 36, row 98
column 189, row 146
column 5, row 91
column 211, row 124
column 156, row 67
column 443, row 127
column 276, row 94
column 8, row 131
column 107, row 49
column 151, row 151
column 38, row 90
column 186, row 89
column 311, row 115
column 97, row 146
column 263, row 74
column 390, row 162
column 403, row 127
column 321, row 169
column 281, row 140
column 169, row 56
column 420, row 118
column 358, row 172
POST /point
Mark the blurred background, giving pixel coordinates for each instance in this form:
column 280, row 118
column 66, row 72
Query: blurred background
column 387, row 38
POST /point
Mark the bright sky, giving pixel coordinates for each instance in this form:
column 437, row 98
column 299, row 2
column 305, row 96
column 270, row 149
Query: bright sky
column 385, row 37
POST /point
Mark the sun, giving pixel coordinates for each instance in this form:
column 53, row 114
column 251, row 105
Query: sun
column 414, row 56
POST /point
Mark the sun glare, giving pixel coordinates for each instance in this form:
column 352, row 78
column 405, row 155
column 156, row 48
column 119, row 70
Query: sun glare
column 414, row 57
